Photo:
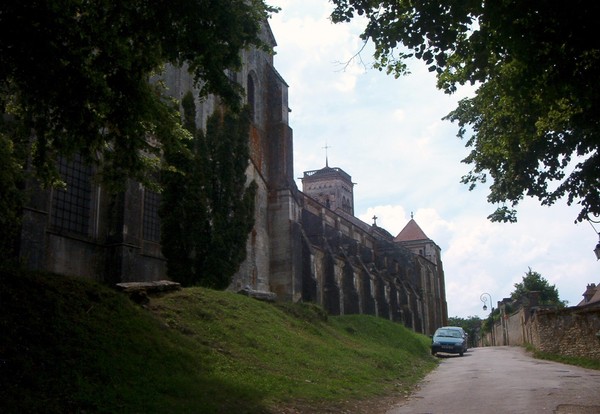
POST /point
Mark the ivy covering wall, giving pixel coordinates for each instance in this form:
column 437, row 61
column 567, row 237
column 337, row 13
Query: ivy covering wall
column 207, row 207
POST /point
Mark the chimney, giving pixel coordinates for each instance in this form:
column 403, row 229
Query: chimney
column 589, row 292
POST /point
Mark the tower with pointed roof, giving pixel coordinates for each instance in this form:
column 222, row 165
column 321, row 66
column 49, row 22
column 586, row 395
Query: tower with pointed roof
column 414, row 238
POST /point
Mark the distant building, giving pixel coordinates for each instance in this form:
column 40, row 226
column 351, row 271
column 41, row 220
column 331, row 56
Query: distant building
column 362, row 268
column 591, row 296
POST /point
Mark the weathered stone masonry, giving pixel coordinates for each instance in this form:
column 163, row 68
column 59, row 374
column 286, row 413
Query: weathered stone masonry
column 572, row 331
column 300, row 249
column 357, row 268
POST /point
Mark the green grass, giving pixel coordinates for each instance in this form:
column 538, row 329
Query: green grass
column 70, row 345
column 571, row 360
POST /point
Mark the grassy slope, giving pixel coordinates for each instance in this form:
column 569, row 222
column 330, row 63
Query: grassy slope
column 68, row 345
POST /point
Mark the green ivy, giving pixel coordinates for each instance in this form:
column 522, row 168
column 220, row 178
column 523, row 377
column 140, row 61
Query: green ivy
column 11, row 199
column 207, row 207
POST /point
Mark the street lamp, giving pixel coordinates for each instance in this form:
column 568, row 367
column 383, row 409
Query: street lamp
column 484, row 300
column 597, row 249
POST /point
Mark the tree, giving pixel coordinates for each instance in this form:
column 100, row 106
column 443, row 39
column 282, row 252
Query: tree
column 533, row 125
column 534, row 282
column 471, row 325
column 207, row 207
column 10, row 200
column 75, row 74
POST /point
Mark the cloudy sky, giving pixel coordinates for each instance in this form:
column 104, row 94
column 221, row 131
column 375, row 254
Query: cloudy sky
column 388, row 134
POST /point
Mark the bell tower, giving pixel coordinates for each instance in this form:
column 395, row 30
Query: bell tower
column 332, row 187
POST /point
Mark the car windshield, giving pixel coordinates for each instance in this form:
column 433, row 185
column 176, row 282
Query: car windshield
column 448, row 333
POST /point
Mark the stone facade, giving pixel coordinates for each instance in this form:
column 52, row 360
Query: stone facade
column 332, row 187
column 303, row 247
column 352, row 267
column 88, row 232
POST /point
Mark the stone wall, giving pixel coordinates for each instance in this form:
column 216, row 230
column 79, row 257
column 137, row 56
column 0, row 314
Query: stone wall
column 570, row 332
column 509, row 330
column 514, row 328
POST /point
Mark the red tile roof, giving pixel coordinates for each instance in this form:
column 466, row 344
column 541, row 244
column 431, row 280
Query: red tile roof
column 411, row 232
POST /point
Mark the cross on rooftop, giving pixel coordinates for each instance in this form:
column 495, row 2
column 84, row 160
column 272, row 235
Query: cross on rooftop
column 326, row 147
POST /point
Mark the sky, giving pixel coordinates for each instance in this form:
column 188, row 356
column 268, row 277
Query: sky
column 388, row 134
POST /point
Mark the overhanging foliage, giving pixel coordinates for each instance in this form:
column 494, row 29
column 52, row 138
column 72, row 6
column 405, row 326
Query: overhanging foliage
column 533, row 126
column 75, row 74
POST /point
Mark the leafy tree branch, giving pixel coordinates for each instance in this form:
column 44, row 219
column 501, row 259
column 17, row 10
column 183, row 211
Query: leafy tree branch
column 533, row 126
column 75, row 74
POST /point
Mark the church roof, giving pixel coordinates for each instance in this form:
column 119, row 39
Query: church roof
column 327, row 172
column 411, row 232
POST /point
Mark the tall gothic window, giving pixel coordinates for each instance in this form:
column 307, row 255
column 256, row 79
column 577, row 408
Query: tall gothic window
column 71, row 207
column 151, row 220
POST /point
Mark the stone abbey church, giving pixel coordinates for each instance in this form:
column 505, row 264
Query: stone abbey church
column 306, row 245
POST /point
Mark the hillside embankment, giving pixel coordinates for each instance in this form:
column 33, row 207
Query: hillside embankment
column 72, row 345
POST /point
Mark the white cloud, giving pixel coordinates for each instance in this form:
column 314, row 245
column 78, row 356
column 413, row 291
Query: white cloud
column 399, row 115
column 346, row 82
column 392, row 218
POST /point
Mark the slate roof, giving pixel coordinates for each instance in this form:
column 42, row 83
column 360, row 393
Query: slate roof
column 411, row 232
column 326, row 172
column 354, row 220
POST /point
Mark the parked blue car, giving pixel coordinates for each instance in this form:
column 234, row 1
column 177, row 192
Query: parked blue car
column 463, row 333
column 448, row 340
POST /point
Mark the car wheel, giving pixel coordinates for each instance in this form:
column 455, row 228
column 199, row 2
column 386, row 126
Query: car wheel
column 461, row 354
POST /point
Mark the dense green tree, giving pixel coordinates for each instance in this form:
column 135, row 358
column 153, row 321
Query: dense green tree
column 75, row 73
column 471, row 325
column 533, row 125
column 492, row 318
column 11, row 199
column 207, row 207
column 534, row 282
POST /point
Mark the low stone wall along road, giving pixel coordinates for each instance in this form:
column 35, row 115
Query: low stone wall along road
column 504, row 380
